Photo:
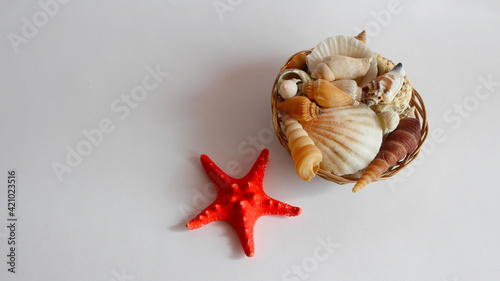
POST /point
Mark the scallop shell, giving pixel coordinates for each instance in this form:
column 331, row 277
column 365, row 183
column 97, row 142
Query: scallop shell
column 384, row 88
column 305, row 154
column 389, row 121
column 348, row 137
column 350, row 87
column 341, row 67
column 394, row 148
column 300, row 108
column 345, row 46
column 326, row 94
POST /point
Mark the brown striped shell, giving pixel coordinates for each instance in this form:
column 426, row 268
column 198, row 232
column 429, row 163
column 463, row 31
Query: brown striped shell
column 395, row 147
column 300, row 108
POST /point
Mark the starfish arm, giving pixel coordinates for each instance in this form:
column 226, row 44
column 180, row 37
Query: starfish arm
column 244, row 226
column 210, row 214
column 275, row 207
column 218, row 177
column 256, row 174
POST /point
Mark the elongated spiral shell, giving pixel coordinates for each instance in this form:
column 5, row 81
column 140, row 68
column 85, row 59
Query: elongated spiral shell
column 300, row 108
column 306, row 156
column 395, row 147
column 349, row 138
column 326, row 94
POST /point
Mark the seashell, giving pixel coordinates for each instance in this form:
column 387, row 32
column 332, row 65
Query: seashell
column 300, row 108
column 384, row 88
column 348, row 137
column 341, row 67
column 306, row 156
column 298, row 62
column 288, row 88
column 396, row 146
column 345, row 46
column 350, row 87
column 389, row 121
column 326, row 94
column 293, row 73
column 362, row 37
column 408, row 112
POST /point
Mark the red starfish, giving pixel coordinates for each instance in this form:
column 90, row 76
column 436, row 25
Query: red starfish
column 241, row 201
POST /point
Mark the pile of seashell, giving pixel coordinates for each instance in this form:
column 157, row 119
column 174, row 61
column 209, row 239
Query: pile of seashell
column 346, row 110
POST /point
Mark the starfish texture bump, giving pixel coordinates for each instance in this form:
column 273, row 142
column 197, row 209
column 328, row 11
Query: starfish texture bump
column 241, row 201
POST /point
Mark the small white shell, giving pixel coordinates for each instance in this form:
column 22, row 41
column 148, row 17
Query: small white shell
column 288, row 88
column 348, row 137
column 389, row 121
column 345, row 46
column 384, row 88
column 349, row 87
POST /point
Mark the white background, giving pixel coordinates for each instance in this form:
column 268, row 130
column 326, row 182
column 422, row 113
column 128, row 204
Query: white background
column 120, row 213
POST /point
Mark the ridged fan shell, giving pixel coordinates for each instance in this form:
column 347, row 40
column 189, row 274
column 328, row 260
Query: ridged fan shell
column 345, row 46
column 348, row 137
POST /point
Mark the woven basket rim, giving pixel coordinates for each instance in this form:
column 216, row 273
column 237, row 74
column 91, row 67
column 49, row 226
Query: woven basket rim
column 420, row 113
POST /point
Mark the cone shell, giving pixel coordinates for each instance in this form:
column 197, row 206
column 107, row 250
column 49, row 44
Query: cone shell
column 326, row 94
column 300, row 108
column 395, row 147
column 345, row 46
column 305, row 154
column 383, row 89
column 348, row 137
column 402, row 99
column 350, row 87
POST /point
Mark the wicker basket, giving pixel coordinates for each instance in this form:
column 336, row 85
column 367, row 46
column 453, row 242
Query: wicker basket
column 416, row 101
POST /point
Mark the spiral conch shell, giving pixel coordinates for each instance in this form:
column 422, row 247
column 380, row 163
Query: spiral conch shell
column 300, row 108
column 344, row 46
column 396, row 146
column 341, row 67
column 326, row 94
column 384, row 88
column 306, row 156
column 362, row 37
column 349, row 138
